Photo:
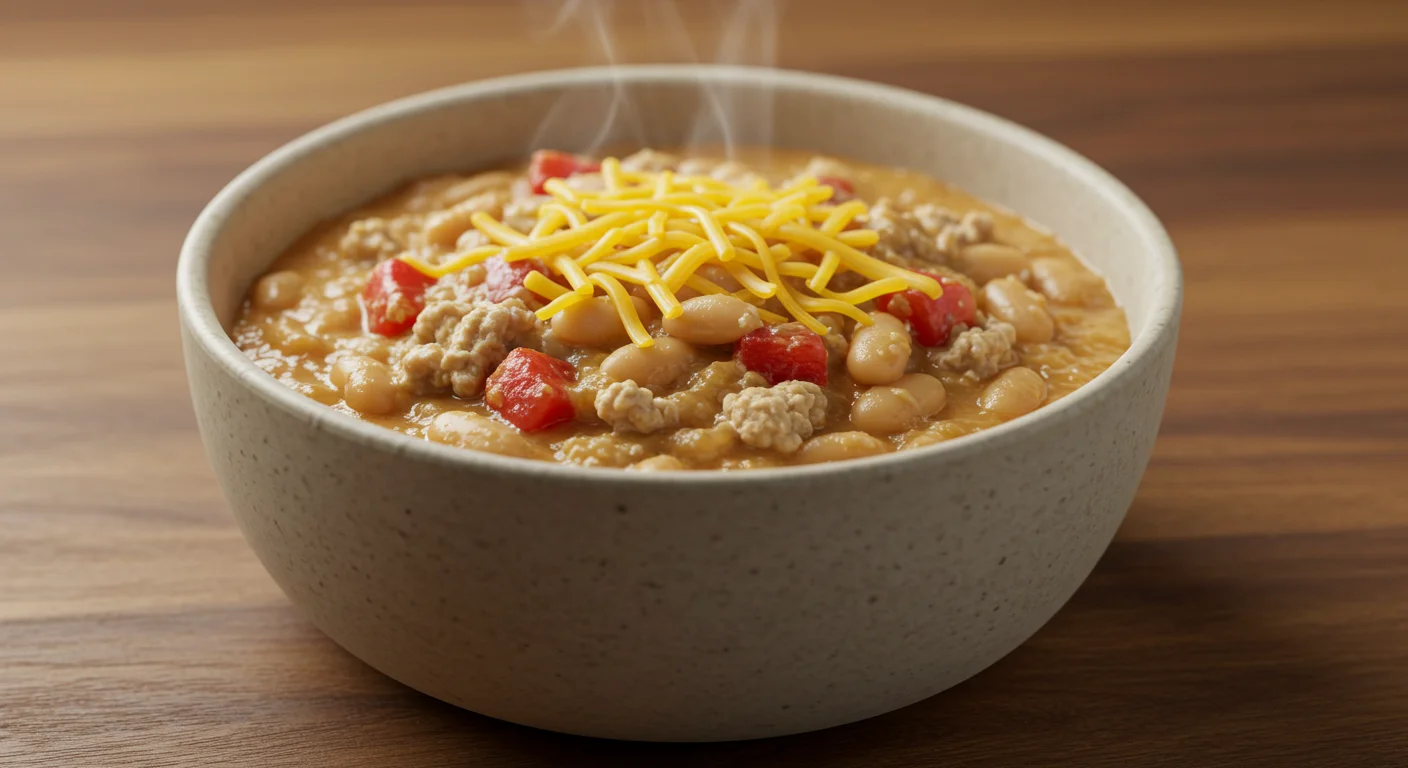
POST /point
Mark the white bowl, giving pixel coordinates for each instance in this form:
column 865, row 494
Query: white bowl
column 689, row 606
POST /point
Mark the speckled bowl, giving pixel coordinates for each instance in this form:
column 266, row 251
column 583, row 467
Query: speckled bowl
column 675, row 606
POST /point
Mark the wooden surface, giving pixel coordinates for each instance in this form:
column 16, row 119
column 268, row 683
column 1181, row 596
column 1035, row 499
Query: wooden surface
column 1253, row 611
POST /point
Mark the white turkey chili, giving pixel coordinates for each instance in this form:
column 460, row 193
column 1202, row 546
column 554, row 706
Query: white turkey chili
column 664, row 311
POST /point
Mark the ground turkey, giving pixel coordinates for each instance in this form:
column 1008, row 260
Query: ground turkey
column 980, row 353
column 778, row 417
column 600, row 451
column 456, row 345
column 908, row 234
column 629, row 407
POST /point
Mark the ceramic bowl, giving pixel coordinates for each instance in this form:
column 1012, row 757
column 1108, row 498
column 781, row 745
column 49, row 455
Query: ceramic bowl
column 675, row 606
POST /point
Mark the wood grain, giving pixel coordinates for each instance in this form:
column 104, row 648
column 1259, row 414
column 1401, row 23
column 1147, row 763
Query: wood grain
column 1253, row 611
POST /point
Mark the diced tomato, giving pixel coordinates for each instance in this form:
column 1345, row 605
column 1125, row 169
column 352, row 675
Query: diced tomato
column 842, row 189
column 789, row 352
column 551, row 164
column 502, row 279
column 529, row 389
column 394, row 296
column 932, row 320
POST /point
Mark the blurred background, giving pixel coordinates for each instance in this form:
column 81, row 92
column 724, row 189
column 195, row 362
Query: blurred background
column 1268, row 534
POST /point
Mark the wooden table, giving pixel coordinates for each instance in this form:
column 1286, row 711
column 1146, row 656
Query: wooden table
column 1253, row 611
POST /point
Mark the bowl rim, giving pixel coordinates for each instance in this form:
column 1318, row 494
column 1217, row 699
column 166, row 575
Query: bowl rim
column 197, row 312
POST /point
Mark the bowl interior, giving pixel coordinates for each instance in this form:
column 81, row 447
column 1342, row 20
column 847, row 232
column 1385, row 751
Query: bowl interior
column 482, row 124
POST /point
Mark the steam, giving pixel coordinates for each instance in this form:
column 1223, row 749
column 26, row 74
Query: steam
column 616, row 31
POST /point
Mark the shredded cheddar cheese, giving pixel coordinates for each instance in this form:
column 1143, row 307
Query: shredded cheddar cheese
column 656, row 230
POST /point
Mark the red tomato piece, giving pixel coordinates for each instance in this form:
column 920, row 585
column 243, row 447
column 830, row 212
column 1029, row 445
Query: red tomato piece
column 789, row 352
column 551, row 164
column 394, row 297
column 502, row 279
column 932, row 320
column 842, row 189
column 529, row 389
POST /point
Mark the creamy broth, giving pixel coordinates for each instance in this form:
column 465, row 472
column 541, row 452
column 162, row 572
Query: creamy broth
column 306, row 325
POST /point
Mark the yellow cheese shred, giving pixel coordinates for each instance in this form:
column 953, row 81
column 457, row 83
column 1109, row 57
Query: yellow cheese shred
column 566, row 240
column 619, row 271
column 677, row 274
column 837, row 218
column 576, row 277
column 602, row 248
column 497, row 232
column 784, row 294
column 865, row 264
column 867, row 292
column 654, row 231
column 670, row 307
column 560, row 303
column 763, row 289
column 830, row 262
column 539, row 283
column 459, row 262
column 550, row 222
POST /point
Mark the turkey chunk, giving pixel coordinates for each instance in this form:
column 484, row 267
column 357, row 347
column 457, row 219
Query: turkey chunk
column 779, row 417
column 975, row 227
column 457, row 286
column 521, row 212
column 909, row 234
column 455, row 345
column 629, row 407
column 980, row 353
column 600, row 451
column 821, row 166
column 375, row 238
column 649, row 160
column 924, row 231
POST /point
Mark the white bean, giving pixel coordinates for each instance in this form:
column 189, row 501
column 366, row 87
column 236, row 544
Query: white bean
column 594, row 322
column 714, row 319
column 470, row 430
column 1010, row 301
column 293, row 338
column 716, row 274
column 885, row 410
column 879, row 352
column 340, row 314
column 277, row 290
column 370, row 391
column 1065, row 282
column 985, row 262
column 662, row 462
column 928, row 392
column 836, row 446
column 343, row 368
column 366, row 384
column 444, row 228
column 1015, row 392
column 893, row 409
column 655, row 366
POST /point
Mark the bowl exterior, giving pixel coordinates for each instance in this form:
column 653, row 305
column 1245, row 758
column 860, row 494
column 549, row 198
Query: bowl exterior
column 678, row 606
column 678, row 611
